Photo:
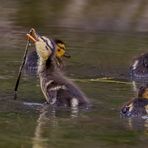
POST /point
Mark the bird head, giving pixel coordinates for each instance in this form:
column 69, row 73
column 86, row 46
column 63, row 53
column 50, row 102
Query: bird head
column 46, row 47
column 137, row 106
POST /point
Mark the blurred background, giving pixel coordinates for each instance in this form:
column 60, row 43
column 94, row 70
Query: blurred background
column 103, row 37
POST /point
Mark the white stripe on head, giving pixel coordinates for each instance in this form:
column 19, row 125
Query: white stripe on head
column 130, row 107
column 135, row 64
column 48, row 41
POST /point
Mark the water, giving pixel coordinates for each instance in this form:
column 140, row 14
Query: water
column 99, row 65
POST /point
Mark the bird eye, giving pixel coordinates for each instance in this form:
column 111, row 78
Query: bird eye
column 59, row 50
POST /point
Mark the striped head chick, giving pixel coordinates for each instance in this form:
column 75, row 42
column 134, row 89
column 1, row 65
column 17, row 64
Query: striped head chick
column 139, row 68
column 137, row 106
column 57, row 89
column 60, row 52
column 31, row 64
column 46, row 47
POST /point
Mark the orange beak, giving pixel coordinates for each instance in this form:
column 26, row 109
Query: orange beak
column 29, row 37
column 32, row 35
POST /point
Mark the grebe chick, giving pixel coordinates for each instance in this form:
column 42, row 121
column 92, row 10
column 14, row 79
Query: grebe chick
column 58, row 90
column 137, row 106
column 32, row 58
column 139, row 68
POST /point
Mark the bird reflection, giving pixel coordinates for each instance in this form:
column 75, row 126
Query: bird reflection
column 134, row 85
column 137, row 124
column 48, row 121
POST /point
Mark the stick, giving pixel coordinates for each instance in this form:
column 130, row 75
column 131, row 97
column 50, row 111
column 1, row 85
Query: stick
column 20, row 69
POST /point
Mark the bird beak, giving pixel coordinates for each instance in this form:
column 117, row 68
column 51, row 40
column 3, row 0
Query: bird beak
column 67, row 55
column 62, row 53
column 32, row 35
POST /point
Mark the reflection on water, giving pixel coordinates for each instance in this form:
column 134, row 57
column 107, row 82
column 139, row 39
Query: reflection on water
column 48, row 119
column 39, row 141
column 138, row 124
column 135, row 89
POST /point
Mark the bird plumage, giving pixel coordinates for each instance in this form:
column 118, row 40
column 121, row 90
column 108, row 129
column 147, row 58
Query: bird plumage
column 32, row 58
column 57, row 89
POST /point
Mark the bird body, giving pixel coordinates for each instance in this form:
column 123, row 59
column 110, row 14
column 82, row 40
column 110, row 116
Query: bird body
column 139, row 68
column 137, row 106
column 56, row 87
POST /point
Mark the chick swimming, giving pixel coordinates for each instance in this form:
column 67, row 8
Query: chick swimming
column 137, row 106
column 57, row 89
column 139, row 68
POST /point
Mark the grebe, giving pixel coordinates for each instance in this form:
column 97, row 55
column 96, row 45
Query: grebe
column 58, row 90
column 139, row 68
column 32, row 58
column 137, row 106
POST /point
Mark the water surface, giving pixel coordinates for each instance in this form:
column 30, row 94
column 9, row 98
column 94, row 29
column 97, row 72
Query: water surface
column 99, row 65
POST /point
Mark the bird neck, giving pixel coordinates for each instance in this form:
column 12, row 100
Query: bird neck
column 46, row 65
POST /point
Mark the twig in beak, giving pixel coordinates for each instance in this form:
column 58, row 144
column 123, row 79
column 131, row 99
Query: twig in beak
column 31, row 38
column 22, row 65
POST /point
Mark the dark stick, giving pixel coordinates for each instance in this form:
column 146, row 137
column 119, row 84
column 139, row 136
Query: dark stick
column 20, row 70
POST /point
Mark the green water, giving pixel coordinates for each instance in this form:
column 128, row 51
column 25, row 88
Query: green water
column 99, row 65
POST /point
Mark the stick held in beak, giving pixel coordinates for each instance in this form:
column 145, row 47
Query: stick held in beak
column 32, row 35
column 31, row 38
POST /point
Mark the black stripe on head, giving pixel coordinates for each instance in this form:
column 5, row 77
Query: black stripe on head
column 46, row 41
column 57, row 41
column 142, row 90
